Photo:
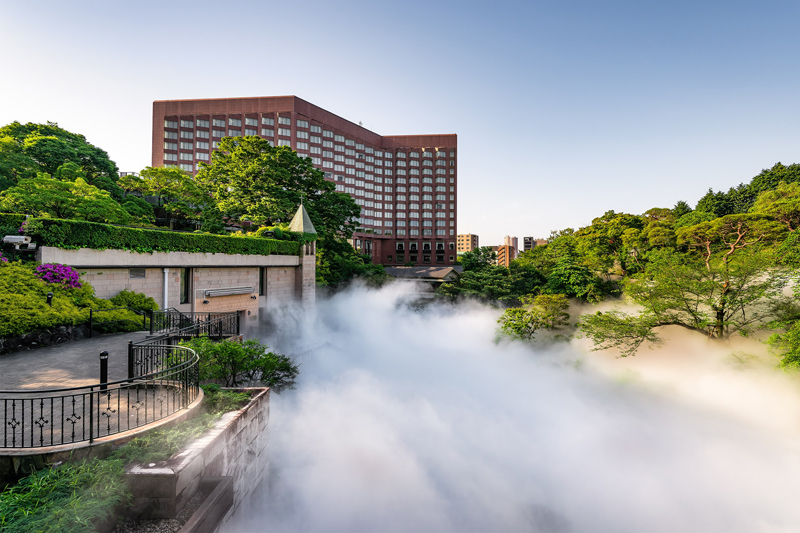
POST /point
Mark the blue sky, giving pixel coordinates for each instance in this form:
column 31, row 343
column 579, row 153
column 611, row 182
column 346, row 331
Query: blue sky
column 564, row 109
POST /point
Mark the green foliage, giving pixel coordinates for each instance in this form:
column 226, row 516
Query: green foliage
column 49, row 197
column 781, row 203
column 253, row 180
column 72, row 498
column 233, row 362
column 175, row 189
column 478, row 259
column 140, row 210
column 338, row 263
column 134, row 300
column 546, row 311
column 787, row 346
column 217, row 400
column 72, row 234
column 615, row 329
column 31, row 148
column 692, row 218
column 681, row 208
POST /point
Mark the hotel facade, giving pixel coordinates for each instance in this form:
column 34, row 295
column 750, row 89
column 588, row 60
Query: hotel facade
column 406, row 185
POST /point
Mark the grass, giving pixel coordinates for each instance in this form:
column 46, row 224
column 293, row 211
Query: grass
column 73, row 497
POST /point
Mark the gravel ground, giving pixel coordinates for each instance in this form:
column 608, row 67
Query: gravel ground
column 165, row 525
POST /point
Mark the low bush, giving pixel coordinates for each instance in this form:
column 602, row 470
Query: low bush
column 233, row 362
column 23, row 304
column 134, row 300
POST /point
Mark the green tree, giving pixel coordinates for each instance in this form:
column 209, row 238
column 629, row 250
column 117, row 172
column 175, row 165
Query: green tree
column 48, row 197
column 781, row 203
column 681, row 208
column 175, row 190
column 543, row 312
column 49, row 147
column 250, row 179
column 603, row 244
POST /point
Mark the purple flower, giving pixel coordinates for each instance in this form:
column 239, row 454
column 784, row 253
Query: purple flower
column 21, row 229
column 59, row 274
column 3, row 259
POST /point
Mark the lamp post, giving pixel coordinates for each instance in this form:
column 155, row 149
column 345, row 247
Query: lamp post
column 103, row 370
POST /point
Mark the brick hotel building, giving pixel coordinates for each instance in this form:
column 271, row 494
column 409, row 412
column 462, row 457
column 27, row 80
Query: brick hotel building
column 406, row 185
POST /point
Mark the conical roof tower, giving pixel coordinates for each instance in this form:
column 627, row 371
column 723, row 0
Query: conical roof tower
column 301, row 222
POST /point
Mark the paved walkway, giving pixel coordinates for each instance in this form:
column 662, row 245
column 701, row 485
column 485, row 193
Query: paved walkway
column 72, row 364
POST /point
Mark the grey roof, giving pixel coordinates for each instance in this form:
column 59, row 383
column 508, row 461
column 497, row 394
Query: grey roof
column 421, row 272
column 301, row 222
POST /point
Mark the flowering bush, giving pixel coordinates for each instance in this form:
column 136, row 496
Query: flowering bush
column 3, row 259
column 59, row 274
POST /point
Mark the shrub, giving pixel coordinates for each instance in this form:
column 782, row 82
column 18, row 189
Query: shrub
column 55, row 273
column 233, row 362
column 134, row 300
column 72, row 234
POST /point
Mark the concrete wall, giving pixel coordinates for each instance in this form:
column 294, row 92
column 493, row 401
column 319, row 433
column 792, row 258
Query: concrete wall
column 236, row 446
column 288, row 278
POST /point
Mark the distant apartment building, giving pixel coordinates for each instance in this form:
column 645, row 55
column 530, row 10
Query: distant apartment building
column 529, row 243
column 513, row 242
column 466, row 242
column 505, row 254
column 406, row 185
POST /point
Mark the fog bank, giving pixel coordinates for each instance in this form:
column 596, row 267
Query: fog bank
column 420, row 421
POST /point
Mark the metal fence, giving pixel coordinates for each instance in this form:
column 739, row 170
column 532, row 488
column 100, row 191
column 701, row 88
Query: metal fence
column 145, row 357
column 171, row 319
column 52, row 417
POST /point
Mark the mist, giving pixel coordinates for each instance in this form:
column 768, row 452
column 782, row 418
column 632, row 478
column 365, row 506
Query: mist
column 423, row 420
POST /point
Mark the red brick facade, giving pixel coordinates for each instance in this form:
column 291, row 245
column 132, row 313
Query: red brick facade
column 406, row 184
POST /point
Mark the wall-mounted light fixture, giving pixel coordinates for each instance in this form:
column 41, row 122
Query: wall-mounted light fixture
column 254, row 297
column 205, row 302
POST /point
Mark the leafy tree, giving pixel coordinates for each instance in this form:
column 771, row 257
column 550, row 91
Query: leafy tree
column 48, row 147
column 782, row 204
column 692, row 218
column 603, row 244
column 175, row 190
column 139, row 210
column 338, row 263
column 769, row 179
column 681, row 208
column 14, row 164
column 546, row 311
column 45, row 196
column 478, row 259
column 717, row 203
column 250, row 179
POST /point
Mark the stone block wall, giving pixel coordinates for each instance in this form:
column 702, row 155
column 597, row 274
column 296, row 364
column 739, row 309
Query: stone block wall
column 236, row 446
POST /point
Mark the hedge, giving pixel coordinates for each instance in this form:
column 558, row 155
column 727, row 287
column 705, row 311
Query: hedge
column 10, row 223
column 72, row 234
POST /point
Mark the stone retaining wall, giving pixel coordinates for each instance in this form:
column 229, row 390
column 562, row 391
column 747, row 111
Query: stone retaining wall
column 236, row 446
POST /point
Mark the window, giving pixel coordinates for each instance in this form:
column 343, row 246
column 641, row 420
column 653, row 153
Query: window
column 170, row 157
column 302, row 146
column 250, row 121
column 170, row 146
column 327, row 144
column 316, row 150
column 327, row 134
column 187, row 135
column 413, row 163
column 284, row 142
column 349, row 142
column 202, row 135
column 187, row 124
column 414, row 154
column 170, row 135
column 316, row 129
column 250, row 133
column 302, row 135
column 265, row 132
column 186, row 285
column 267, row 121
column 201, row 156
column 234, row 133
column 186, row 157
column 234, row 122
column 202, row 123
column 217, row 133
column 187, row 168
column 218, row 122
column 285, row 121
column 302, row 124
column 186, row 146
column 170, row 123
column 202, row 145
column 137, row 273
column 359, row 146
column 339, row 138
column 285, row 132
column 316, row 139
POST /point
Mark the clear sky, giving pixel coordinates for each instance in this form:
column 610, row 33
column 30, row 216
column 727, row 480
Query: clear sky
column 564, row 108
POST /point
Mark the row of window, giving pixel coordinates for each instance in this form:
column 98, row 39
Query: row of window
column 413, row 258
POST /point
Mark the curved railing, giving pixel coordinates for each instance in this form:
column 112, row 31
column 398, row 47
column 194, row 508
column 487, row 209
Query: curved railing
column 52, row 417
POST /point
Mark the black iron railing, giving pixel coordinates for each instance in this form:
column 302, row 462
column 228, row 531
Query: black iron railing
column 144, row 357
column 39, row 418
column 171, row 319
